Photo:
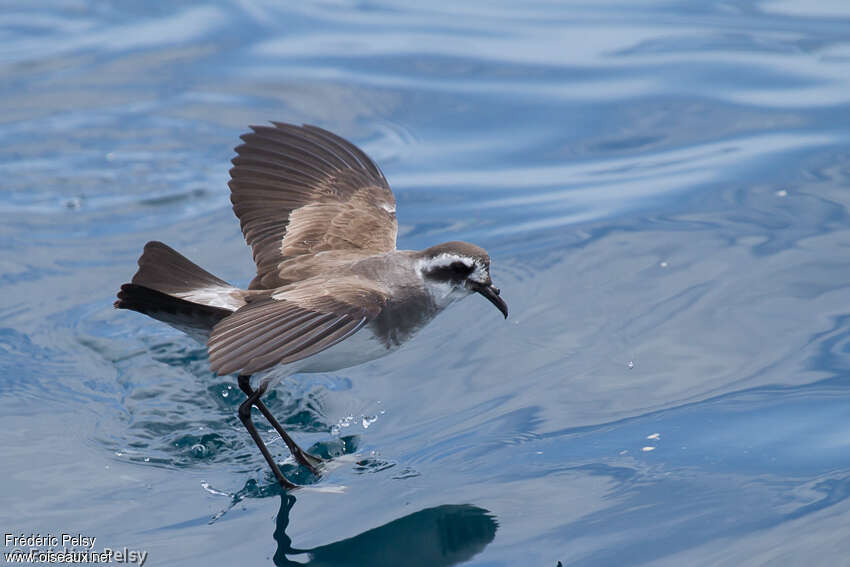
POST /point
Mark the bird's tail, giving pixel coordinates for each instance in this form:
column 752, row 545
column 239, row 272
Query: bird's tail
column 174, row 290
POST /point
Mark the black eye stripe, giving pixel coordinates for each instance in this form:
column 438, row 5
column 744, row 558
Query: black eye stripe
column 454, row 271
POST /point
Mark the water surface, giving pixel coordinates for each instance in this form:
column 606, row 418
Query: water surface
column 663, row 188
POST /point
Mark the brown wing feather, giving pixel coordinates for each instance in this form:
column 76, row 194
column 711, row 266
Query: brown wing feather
column 301, row 190
column 292, row 324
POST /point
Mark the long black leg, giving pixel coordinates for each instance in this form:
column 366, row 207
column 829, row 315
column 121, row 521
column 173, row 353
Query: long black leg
column 300, row 455
column 245, row 417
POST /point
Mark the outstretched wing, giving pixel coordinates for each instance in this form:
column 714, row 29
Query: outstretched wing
column 302, row 190
column 293, row 323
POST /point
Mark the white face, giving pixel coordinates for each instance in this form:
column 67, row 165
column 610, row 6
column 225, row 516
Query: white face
column 445, row 284
column 479, row 272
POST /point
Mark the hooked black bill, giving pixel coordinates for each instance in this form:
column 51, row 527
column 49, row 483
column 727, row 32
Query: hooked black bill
column 491, row 292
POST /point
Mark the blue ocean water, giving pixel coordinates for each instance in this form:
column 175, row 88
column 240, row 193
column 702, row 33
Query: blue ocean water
column 662, row 186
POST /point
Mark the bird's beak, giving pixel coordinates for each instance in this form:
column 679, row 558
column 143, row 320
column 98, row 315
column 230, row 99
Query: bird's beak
column 491, row 292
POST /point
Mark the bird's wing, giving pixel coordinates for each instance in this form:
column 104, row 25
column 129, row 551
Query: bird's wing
column 302, row 190
column 292, row 323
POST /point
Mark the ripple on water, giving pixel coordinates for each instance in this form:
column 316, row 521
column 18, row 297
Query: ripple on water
column 176, row 414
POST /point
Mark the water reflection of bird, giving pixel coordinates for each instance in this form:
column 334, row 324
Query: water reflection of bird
column 331, row 290
column 433, row 537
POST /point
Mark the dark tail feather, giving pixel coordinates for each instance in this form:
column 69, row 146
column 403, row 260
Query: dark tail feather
column 162, row 268
column 170, row 288
column 194, row 319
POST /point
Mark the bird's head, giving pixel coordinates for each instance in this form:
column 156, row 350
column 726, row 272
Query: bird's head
column 456, row 269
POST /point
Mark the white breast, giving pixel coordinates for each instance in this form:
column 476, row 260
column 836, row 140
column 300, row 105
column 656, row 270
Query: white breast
column 361, row 347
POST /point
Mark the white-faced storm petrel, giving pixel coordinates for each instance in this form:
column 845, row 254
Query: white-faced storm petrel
column 331, row 290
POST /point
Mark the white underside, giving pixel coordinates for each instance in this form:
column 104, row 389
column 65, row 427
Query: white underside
column 357, row 349
column 362, row 346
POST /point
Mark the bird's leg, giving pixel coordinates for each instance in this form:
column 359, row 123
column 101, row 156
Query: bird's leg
column 301, row 456
column 245, row 417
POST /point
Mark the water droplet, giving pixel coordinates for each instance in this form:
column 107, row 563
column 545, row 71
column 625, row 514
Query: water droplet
column 663, row 264
column 631, row 365
column 206, row 486
column 342, row 423
column 647, row 449
column 368, row 420
column 782, row 193
column 225, row 394
column 147, row 459
column 654, row 436
column 199, row 450
column 75, row 203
